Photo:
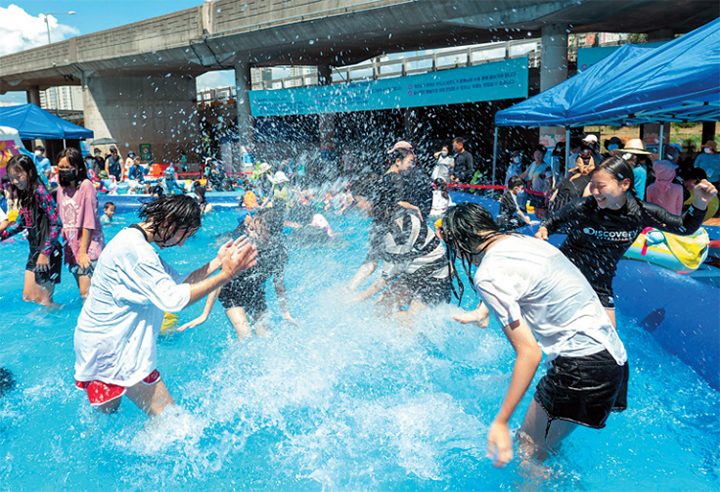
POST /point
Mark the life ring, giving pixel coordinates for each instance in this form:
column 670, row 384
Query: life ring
column 681, row 254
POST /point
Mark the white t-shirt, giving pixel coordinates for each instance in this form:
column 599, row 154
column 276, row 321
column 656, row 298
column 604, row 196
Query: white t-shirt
column 132, row 287
column 440, row 204
column 3, row 215
column 523, row 277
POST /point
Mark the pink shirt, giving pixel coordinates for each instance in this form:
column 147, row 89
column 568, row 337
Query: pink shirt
column 670, row 198
column 79, row 210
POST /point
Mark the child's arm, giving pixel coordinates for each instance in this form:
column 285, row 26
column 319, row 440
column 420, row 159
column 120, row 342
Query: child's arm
column 47, row 204
column 527, row 361
column 379, row 285
column 212, row 297
column 82, row 258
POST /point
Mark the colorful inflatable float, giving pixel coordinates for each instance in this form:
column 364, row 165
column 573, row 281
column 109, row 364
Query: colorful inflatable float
column 681, row 310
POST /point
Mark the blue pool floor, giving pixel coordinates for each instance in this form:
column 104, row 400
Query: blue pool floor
column 345, row 401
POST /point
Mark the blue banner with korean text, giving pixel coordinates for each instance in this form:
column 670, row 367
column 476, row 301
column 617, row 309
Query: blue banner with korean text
column 488, row 82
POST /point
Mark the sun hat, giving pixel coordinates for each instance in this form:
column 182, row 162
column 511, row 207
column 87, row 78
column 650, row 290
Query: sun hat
column 710, row 144
column 280, row 177
column 634, row 146
column 402, row 144
column 265, row 167
column 590, row 138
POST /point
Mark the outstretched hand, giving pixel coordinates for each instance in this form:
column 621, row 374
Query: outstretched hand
column 542, row 233
column 192, row 324
column 240, row 256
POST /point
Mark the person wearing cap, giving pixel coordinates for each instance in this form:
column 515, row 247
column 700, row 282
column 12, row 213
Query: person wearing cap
column 130, row 160
column 709, row 161
column 634, row 152
column 664, row 192
column 42, row 164
column 280, row 186
column 613, row 143
column 402, row 186
column 464, row 167
column 113, row 166
column 592, row 141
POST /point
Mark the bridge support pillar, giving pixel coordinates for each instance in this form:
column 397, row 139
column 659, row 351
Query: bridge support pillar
column 157, row 110
column 33, row 95
column 243, row 85
column 553, row 70
column 326, row 121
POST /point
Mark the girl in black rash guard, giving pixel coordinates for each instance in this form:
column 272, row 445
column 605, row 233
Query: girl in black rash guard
column 602, row 227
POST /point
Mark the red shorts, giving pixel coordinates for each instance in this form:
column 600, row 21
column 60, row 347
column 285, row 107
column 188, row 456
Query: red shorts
column 99, row 392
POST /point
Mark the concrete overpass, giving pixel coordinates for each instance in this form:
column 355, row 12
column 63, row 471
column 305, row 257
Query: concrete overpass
column 138, row 80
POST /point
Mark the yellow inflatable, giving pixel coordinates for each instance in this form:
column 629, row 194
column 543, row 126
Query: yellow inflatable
column 681, row 254
column 13, row 215
column 170, row 322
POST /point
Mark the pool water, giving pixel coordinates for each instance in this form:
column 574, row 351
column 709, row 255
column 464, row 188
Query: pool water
column 344, row 401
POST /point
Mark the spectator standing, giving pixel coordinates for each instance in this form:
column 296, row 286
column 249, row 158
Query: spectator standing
column 632, row 152
column 445, row 164
column 99, row 164
column 42, row 164
column 663, row 191
column 709, row 161
column 113, row 166
column 464, row 167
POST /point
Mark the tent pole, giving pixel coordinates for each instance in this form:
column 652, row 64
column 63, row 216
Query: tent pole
column 494, row 154
column 662, row 130
column 567, row 150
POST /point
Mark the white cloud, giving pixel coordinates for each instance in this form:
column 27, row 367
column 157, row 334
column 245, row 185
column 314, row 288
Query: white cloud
column 215, row 79
column 20, row 31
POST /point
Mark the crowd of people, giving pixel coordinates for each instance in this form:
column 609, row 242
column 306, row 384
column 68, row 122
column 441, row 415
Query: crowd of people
column 556, row 301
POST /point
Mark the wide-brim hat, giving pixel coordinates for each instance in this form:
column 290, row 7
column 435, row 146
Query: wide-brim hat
column 710, row 144
column 280, row 177
column 634, row 146
column 590, row 138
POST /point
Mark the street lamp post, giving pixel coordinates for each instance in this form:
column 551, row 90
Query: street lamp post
column 47, row 25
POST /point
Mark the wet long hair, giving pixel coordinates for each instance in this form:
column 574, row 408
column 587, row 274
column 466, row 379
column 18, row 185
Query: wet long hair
column 463, row 225
column 26, row 164
column 76, row 160
column 174, row 212
column 620, row 170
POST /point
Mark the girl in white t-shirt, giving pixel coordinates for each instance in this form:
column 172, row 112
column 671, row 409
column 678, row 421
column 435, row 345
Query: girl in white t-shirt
column 545, row 305
column 132, row 288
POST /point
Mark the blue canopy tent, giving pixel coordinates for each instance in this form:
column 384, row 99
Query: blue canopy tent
column 679, row 81
column 33, row 122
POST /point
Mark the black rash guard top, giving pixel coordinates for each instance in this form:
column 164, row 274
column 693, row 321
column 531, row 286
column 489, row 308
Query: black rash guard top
column 598, row 238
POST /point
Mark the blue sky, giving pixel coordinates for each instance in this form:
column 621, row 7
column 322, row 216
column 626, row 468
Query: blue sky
column 27, row 27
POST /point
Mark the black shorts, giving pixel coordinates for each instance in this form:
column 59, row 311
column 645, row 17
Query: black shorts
column 430, row 290
column 245, row 295
column 52, row 274
column 583, row 390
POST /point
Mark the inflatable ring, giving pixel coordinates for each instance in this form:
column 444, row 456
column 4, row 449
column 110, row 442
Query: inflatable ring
column 681, row 254
column 170, row 322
